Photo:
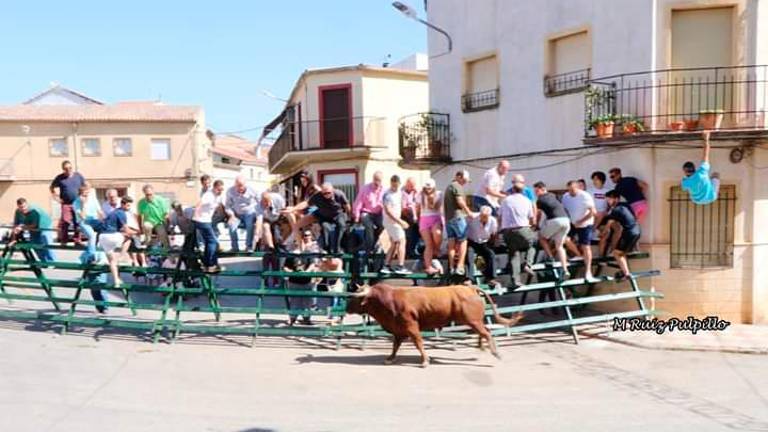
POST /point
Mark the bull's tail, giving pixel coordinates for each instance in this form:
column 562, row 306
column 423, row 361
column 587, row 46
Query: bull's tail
column 508, row 322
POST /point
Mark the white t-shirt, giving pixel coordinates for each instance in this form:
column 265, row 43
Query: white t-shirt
column 491, row 180
column 394, row 201
column 577, row 207
column 598, row 195
column 207, row 207
column 425, row 210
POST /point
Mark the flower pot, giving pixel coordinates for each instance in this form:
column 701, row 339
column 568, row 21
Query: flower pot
column 691, row 125
column 710, row 120
column 604, row 130
column 677, row 126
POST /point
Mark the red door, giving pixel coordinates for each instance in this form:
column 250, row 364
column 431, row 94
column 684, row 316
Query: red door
column 336, row 116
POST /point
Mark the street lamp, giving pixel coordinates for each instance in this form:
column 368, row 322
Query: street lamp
column 270, row 95
column 411, row 13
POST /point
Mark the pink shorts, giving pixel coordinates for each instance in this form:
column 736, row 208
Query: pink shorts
column 640, row 208
column 426, row 222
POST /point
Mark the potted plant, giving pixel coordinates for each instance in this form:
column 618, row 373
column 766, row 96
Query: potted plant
column 691, row 124
column 631, row 125
column 677, row 126
column 603, row 125
column 711, row 119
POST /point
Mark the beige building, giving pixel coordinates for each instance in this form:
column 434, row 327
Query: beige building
column 236, row 156
column 341, row 124
column 123, row 145
column 529, row 81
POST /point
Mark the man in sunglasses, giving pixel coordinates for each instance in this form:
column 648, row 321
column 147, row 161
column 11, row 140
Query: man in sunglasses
column 702, row 187
column 329, row 207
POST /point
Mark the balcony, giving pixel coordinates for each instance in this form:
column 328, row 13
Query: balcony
column 676, row 104
column 425, row 138
column 480, row 101
column 325, row 140
column 566, row 83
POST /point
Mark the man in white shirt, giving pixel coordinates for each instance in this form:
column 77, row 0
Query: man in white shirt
column 209, row 202
column 598, row 190
column 517, row 218
column 241, row 203
column 482, row 232
column 581, row 210
column 395, row 227
column 490, row 191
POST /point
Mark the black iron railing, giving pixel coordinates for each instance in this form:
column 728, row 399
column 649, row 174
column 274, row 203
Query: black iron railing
column 677, row 100
column 332, row 133
column 425, row 137
column 565, row 83
column 702, row 235
column 480, row 101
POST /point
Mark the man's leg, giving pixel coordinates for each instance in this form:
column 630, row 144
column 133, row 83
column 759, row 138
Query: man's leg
column 90, row 236
column 340, row 222
column 586, row 252
column 162, row 235
column 64, row 225
column 462, row 251
column 146, row 231
column 401, row 252
column 234, row 238
column 451, row 254
column 249, row 221
column 716, row 184
column 489, row 256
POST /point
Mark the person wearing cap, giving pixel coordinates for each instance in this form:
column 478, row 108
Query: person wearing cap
column 490, row 192
column 456, row 213
column 702, row 187
column 368, row 209
column 429, row 210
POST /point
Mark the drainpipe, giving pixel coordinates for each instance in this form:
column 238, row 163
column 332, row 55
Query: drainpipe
column 74, row 137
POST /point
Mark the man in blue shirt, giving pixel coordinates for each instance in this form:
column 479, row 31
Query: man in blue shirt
column 702, row 186
column 113, row 235
column 64, row 190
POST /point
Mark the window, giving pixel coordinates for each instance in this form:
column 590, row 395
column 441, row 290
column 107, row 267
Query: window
column 702, row 236
column 91, row 147
column 160, row 149
column 58, row 147
column 122, row 147
column 344, row 180
column 569, row 64
column 481, row 84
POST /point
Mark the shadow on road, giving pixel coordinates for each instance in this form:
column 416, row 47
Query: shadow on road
column 378, row 360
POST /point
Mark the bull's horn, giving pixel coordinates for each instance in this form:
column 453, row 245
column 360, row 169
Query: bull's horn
column 362, row 290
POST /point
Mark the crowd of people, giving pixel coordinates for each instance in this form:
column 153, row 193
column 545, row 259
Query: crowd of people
column 517, row 219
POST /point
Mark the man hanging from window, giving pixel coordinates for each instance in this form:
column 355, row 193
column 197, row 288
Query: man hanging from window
column 702, row 187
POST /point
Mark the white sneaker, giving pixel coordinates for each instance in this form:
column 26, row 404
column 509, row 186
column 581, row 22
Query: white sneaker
column 386, row 270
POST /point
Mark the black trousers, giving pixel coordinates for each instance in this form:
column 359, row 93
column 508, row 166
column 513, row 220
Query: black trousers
column 489, row 256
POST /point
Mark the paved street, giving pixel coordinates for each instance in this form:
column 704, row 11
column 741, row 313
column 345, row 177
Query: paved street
column 102, row 381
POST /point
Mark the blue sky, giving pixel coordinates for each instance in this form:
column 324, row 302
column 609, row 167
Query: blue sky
column 219, row 54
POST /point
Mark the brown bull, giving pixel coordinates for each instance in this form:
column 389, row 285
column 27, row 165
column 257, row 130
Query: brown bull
column 406, row 311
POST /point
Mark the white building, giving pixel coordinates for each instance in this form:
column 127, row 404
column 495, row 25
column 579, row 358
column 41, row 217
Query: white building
column 524, row 75
column 234, row 156
column 341, row 124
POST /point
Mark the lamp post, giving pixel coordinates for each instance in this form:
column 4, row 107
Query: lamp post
column 411, row 13
column 270, row 95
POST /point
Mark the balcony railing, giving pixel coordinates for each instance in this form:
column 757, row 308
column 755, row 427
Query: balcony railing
column 472, row 102
column 327, row 134
column 425, row 137
column 565, row 83
column 677, row 100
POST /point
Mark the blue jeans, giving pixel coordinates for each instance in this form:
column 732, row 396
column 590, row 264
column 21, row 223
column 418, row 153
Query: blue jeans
column 247, row 221
column 90, row 235
column 43, row 238
column 210, row 242
column 456, row 228
column 96, row 294
column 478, row 202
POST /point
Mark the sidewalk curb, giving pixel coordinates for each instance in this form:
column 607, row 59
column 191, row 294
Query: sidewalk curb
column 729, row 350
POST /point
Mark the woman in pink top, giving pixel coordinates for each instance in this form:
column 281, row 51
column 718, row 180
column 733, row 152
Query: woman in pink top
column 429, row 208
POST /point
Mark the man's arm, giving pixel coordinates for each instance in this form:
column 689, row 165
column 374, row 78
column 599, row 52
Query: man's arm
column 643, row 188
column 53, row 188
column 462, row 203
column 357, row 208
column 591, row 212
column 706, row 135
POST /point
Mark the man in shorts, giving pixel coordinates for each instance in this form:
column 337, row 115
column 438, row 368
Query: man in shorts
column 395, row 227
column 115, row 230
column 581, row 209
column 624, row 231
column 634, row 191
column 456, row 213
column 555, row 229
column 329, row 208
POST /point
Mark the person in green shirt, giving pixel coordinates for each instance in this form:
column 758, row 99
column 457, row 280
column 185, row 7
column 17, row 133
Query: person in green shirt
column 153, row 211
column 35, row 221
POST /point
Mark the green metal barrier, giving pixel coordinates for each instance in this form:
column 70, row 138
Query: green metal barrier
column 173, row 302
